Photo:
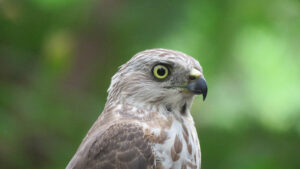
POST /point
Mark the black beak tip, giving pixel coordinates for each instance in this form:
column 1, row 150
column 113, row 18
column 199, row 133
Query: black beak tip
column 204, row 95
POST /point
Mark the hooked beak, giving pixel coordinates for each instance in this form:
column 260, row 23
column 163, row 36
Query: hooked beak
column 197, row 84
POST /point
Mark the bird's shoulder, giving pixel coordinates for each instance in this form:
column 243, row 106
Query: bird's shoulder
column 121, row 145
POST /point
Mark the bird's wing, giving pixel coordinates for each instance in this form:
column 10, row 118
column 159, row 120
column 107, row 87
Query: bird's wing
column 121, row 146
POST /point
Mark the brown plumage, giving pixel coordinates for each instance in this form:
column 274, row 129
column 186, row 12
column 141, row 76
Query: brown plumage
column 146, row 122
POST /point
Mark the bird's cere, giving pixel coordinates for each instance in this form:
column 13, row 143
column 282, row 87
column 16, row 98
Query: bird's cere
column 195, row 73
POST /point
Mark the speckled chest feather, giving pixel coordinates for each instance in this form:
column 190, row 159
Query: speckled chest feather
column 173, row 139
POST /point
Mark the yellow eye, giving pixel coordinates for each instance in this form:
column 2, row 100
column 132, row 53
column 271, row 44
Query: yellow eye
column 160, row 71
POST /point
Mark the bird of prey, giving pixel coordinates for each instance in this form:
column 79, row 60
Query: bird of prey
column 146, row 122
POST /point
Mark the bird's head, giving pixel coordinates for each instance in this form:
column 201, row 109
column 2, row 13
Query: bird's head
column 158, row 77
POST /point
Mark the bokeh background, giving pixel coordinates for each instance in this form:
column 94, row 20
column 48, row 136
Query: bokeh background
column 57, row 58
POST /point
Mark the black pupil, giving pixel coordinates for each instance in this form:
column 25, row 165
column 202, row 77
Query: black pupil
column 161, row 71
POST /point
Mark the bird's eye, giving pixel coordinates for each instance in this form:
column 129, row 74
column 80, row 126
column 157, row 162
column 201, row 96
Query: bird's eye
column 160, row 71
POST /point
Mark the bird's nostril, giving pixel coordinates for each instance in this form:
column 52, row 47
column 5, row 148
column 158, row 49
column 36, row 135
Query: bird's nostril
column 192, row 77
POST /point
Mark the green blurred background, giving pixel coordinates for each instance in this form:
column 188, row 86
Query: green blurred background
column 57, row 58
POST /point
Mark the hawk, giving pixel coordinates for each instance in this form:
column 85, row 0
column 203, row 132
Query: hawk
column 146, row 122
